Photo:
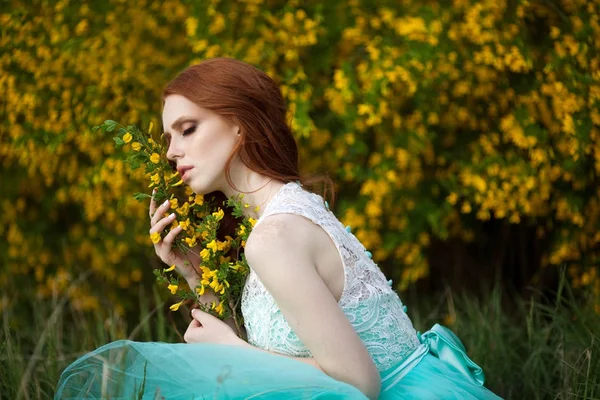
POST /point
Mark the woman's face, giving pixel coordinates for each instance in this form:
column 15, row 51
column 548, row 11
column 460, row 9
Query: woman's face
column 201, row 142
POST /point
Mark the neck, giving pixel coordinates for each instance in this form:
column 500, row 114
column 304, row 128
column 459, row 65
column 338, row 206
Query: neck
column 258, row 190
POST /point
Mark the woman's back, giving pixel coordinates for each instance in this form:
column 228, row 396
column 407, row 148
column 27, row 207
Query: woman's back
column 373, row 308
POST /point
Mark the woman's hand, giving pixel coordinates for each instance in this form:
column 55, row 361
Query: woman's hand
column 185, row 264
column 205, row 328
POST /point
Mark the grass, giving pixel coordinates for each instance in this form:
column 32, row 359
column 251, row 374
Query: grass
column 543, row 349
column 528, row 349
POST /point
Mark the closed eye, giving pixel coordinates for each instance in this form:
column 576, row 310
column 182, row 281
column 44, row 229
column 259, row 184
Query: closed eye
column 189, row 130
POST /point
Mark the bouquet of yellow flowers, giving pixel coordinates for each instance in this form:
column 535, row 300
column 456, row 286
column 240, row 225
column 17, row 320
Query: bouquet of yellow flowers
column 223, row 267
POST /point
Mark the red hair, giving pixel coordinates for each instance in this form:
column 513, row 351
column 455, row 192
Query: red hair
column 249, row 98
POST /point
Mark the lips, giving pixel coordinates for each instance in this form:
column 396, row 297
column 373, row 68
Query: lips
column 183, row 171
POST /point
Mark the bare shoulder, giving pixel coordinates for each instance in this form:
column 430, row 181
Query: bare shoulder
column 285, row 232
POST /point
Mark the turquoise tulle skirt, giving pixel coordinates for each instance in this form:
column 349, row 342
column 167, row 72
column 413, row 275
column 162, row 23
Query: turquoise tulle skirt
column 438, row 369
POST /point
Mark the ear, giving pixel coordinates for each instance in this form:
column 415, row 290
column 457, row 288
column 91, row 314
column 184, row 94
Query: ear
column 236, row 126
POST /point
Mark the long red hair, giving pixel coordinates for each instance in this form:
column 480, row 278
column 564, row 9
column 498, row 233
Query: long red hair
column 248, row 97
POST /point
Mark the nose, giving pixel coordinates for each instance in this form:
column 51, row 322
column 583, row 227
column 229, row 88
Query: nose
column 175, row 150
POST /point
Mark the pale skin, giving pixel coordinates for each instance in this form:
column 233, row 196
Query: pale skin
column 294, row 258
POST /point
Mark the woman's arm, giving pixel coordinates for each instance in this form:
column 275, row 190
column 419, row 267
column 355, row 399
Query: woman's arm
column 306, row 360
column 280, row 251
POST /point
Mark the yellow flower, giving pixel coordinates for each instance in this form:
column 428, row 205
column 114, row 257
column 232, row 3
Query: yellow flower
column 200, row 291
column 246, row 205
column 175, row 306
column 155, row 178
column 150, row 127
column 172, row 288
column 191, row 242
column 178, row 183
column 219, row 308
column 155, row 158
column 213, row 246
column 171, row 268
column 205, row 254
column 199, row 199
column 223, row 260
column 185, row 224
column 174, row 203
column 127, row 137
column 155, row 237
column 183, row 210
column 204, row 269
column 256, row 208
column 137, row 146
column 219, row 214
column 252, row 221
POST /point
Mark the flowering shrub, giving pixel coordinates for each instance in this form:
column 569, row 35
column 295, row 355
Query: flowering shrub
column 442, row 115
column 66, row 204
column 434, row 117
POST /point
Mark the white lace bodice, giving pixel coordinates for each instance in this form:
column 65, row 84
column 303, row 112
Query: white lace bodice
column 373, row 308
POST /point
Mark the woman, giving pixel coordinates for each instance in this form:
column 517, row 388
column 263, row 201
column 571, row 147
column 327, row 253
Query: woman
column 321, row 318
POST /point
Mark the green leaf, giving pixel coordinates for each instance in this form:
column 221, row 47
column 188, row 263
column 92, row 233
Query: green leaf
column 141, row 196
column 119, row 142
column 110, row 125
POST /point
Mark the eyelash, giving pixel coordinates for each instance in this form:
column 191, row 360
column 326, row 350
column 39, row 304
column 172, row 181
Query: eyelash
column 189, row 131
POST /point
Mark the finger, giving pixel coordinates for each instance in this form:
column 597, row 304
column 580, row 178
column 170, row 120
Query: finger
column 194, row 324
column 162, row 224
column 170, row 238
column 200, row 315
column 190, row 335
column 152, row 203
column 160, row 212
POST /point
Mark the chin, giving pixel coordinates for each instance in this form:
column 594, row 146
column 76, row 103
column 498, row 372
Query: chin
column 200, row 188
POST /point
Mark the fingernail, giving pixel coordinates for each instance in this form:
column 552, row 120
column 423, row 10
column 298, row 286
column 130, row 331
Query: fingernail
column 166, row 202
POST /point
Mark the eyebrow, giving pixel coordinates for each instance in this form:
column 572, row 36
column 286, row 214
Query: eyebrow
column 178, row 123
